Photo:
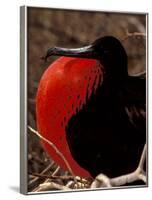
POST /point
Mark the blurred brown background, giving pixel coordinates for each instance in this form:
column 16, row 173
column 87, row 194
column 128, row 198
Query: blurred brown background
column 67, row 28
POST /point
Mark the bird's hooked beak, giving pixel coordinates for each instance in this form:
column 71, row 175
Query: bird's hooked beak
column 83, row 52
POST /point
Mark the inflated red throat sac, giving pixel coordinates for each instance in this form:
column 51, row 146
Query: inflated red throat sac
column 82, row 107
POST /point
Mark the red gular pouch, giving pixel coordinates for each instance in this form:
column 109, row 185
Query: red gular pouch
column 63, row 90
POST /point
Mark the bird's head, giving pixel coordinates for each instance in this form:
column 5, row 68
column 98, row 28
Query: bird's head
column 108, row 50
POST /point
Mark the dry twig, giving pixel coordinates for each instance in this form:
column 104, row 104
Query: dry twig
column 50, row 186
column 134, row 34
column 41, row 174
column 54, row 147
column 52, row 176
column 56, row 171
column 139, row 174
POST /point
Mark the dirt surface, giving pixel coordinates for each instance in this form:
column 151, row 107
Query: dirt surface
column 65, row 28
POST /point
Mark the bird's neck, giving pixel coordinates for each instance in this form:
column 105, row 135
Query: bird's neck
column 115, row 80
column 116, row 71
column 112, row 86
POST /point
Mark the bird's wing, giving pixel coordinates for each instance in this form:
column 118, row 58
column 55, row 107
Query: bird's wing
column 135, row 100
